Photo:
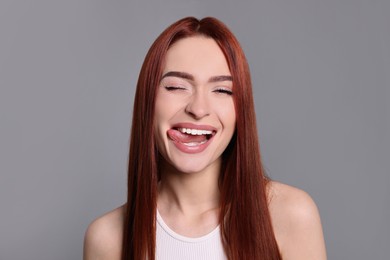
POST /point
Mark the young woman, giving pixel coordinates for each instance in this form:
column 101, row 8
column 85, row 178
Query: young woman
column 196, row 186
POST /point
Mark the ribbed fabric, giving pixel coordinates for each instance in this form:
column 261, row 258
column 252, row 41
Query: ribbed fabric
column 172, row 246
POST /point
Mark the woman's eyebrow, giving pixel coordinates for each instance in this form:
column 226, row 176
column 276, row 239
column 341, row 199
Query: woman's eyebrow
column 221, row 78
column 187, row 76
column 178, row 74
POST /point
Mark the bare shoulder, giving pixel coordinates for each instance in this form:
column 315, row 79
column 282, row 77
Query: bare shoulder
column 296, row 223
column 103, row 238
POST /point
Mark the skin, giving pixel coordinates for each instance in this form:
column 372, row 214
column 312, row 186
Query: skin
column 188, row 197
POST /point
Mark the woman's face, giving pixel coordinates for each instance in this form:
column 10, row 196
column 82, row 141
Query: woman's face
column 194, row 114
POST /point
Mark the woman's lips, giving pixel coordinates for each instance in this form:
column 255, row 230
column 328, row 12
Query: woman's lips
column 188, row 143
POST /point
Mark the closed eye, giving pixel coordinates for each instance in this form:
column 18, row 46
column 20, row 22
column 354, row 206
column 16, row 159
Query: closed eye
column 224, row 91
column 172, row 88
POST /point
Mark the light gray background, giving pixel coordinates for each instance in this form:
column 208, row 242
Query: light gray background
column 67, row 75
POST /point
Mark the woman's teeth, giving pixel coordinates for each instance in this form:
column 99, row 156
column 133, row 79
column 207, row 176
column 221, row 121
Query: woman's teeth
column 195, row 131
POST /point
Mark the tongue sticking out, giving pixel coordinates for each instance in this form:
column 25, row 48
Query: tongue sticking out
column 178, row 136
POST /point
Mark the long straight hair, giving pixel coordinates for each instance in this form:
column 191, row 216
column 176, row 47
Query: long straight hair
column 246, row 229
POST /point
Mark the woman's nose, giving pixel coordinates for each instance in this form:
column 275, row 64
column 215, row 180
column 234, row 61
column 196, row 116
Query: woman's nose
column 198, row 106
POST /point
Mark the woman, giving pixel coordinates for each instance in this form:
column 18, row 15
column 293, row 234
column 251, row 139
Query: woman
column 196, row 187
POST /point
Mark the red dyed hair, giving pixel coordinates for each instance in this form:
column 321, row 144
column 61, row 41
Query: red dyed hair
column 245, row 222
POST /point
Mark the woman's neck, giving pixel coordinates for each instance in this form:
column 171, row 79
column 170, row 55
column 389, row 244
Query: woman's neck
column 189, row 193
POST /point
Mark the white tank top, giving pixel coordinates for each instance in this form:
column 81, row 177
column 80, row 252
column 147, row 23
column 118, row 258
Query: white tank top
column 172, row 246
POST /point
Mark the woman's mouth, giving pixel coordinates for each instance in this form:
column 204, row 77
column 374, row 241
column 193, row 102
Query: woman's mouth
column 191, row 140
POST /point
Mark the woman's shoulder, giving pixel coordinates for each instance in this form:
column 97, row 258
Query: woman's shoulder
column 103, row 238
column 296, row 222
column 285, row 197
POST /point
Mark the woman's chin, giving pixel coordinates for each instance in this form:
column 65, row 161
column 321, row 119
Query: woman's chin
column 194, row 165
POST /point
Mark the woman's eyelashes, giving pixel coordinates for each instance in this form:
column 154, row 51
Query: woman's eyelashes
column 172, row 88
column 224, row 91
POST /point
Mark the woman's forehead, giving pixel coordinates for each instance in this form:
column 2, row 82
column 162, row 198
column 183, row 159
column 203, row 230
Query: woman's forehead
column 198, row 55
